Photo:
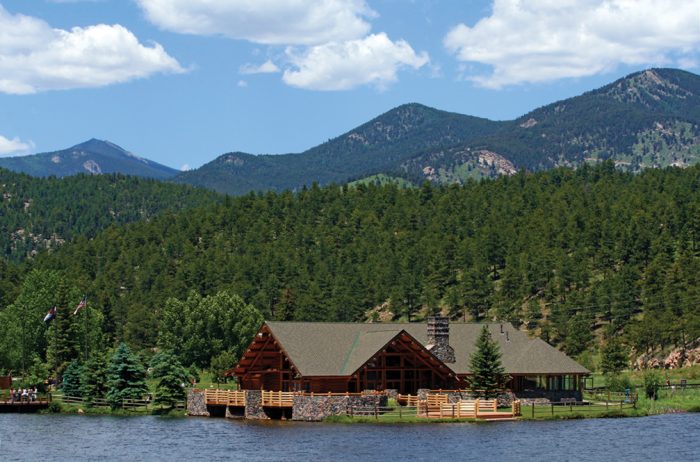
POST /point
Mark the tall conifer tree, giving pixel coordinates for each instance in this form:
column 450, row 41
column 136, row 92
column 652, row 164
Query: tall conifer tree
column 488, row 375
column 127, row 377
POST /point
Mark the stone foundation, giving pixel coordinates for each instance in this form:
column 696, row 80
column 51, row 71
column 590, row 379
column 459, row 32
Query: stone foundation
column 196, row 406
column 315, row 408
column 253, row 405
column 391, row 393
column 544, row 396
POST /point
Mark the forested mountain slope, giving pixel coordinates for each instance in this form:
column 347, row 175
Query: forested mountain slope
column 564, row 253
column 647, row 119
column 43, row 213
column 93, row 157
column 379, row 145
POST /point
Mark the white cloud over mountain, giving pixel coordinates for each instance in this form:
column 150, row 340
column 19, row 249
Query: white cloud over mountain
column 35, row 57
column 329, row 45
column 270, row 22
column 14, row 146
column 374, row 59
column 544, row 40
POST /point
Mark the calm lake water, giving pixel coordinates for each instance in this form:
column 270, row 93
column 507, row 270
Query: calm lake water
column 75, row 438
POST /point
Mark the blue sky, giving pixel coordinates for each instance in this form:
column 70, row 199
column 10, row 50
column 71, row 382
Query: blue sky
column 183, row 81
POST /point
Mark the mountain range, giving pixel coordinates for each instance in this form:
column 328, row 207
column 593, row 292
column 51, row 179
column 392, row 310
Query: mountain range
column 647, row 119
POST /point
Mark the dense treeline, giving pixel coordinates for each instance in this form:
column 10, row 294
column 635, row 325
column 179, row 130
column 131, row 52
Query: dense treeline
column 577, row 257
column 561, row 250
column 39, row 213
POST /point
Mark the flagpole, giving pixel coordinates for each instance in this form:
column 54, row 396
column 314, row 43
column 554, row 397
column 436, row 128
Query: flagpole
column 24, row 347
column 85, row 328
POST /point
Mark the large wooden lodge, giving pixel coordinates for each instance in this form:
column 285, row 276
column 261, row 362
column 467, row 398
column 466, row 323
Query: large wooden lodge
column 406, row 357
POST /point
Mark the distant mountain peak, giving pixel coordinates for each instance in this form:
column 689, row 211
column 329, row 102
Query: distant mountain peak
column 93, row 156
column 648, row 87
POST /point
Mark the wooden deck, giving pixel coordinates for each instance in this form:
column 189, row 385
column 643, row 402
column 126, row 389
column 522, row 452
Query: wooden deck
column 8, row 406
column 437, row 406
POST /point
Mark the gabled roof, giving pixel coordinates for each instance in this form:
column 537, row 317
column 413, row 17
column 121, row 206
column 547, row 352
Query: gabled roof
column 338, row 349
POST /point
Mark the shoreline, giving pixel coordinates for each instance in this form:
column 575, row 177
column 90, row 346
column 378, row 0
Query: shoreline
column 70, row 409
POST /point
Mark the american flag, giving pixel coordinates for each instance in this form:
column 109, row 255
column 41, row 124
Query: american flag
column 81, row 305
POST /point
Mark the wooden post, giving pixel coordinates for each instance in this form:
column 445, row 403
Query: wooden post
column 476, row 408
column 552, row 409
column 533, row 409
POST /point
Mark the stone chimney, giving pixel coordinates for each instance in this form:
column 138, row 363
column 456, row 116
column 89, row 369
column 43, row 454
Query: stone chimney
column 439, row 339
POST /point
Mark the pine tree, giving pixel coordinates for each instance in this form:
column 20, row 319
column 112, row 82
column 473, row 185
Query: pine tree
column 71, row 379
column 613, row 357
column 127, row 377
column 93, row 381
column 171, row 377
column 487, row 371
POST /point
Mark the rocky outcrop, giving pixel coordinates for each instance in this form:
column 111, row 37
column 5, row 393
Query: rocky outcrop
column 677, row 358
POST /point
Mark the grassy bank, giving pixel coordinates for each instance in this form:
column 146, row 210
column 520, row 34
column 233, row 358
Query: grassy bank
column 85, row 409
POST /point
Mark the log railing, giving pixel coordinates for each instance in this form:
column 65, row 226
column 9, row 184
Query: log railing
column 278, row 398
column 225, row 397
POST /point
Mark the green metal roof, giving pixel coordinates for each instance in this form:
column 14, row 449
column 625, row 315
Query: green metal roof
column 339, row 349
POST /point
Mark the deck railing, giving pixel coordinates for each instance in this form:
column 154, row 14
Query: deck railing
column 225, row 397
column 478, row 408
column 278, row 398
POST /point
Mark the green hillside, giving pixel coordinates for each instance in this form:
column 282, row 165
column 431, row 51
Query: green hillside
column 572, row 256
column 44, row 213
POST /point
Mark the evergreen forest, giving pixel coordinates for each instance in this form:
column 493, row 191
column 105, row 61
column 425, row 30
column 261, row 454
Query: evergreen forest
column 577, row 257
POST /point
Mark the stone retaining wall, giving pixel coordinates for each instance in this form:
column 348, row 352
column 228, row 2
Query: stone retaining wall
column 315, row 408
column 196, row 406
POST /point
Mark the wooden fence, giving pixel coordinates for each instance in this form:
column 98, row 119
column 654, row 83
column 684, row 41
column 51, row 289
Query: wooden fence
column 534, row 410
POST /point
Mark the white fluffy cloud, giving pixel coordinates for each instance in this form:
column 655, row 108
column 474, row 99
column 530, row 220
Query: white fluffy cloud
column 271, row 22
column 14, row 146
column 268, row 67
column 35, row 57
column 374, row 59
column 543, row 40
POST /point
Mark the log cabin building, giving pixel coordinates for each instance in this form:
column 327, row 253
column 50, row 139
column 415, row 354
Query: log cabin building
column 353, row 357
